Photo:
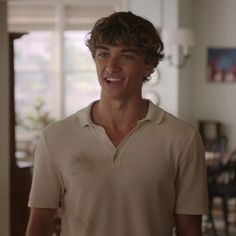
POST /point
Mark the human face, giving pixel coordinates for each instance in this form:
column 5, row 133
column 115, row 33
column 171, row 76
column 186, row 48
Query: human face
column 121, row 71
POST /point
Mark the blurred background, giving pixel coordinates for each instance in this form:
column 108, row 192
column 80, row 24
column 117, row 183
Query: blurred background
column 47, row 73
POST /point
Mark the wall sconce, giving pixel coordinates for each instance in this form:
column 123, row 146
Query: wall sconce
column 177, row 43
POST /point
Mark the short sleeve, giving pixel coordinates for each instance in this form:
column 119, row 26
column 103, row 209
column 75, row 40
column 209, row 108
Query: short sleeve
column 46, row 186
column 191, row 182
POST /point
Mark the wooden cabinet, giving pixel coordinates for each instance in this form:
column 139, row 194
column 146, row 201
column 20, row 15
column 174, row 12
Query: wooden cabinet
column 20, row 176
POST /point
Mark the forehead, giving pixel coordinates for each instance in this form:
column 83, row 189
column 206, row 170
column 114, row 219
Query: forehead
column 119, row 48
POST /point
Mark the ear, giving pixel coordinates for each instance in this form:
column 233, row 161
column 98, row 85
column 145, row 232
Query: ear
column 149, row 70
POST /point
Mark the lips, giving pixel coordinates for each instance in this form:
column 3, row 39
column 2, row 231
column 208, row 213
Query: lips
column 113, row 79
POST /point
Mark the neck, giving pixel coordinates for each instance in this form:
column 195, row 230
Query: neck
column 119, row 115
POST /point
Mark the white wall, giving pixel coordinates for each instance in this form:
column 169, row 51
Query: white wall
column 186, row 73
column 4, row 124
column 168, row 88
column 150, row 10
column 162, row 13
column 214, row 26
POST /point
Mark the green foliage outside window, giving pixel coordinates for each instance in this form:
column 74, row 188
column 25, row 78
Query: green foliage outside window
column 38, row 118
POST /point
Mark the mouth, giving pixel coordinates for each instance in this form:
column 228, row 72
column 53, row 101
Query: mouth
column 113, row 80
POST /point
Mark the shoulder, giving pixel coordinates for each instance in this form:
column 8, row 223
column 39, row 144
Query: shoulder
column 177, row 136
column 172, row 131
column 178, row 125
column 62, row 125
column 175, row 127
column 181, row 140
column 69, row 125
column 184, row 138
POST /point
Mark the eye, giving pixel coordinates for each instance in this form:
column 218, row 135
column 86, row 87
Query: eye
column 128, row 56
column 103, row 54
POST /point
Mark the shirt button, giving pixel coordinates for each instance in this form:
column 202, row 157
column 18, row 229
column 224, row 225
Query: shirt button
column 103, row 136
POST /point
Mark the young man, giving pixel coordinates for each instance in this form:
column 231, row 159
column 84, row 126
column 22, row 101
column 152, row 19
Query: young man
column 121, row 166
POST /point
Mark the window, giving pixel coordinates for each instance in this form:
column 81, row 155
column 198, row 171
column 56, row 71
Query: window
column 33, row 70
column 54, row 72
column 81, row 84
column 35, row 78
column 33, row 82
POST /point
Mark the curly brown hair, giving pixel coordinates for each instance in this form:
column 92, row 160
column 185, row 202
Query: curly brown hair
column 127, row 29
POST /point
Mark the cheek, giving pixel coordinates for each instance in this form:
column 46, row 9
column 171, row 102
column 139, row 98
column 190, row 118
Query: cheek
column 99, row 76
column 138, row 72
column 99, row 70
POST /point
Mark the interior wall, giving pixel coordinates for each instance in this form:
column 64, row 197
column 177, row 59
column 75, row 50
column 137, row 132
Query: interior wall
column 214, row 26
column 4, row 125
column 162, row 13
column 149, row 11
column 185, row 16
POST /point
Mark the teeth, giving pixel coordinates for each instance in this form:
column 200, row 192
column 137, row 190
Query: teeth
column 114, row 79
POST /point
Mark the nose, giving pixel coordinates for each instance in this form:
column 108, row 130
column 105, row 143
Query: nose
column 113, row 65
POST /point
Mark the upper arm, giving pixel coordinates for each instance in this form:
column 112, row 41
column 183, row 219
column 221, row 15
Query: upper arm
column 188, row 225
column 191, row 171
column 40, row 222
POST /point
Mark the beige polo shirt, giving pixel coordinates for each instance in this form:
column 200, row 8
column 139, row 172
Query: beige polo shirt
column 135, row 189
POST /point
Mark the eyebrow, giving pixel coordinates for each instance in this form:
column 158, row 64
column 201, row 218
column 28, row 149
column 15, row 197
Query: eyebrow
column 132, row 50
column 126, row 50
column 102, row 47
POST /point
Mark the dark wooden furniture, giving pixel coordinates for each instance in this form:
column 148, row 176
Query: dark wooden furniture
column 222, row 184
column 20, row 176
column 210, row 131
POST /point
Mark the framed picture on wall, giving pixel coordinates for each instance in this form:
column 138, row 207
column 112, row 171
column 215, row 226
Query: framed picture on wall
column 221, row 64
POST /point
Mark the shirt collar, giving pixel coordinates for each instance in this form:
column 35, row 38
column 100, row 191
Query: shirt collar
column 155, row 114
column 83, row 117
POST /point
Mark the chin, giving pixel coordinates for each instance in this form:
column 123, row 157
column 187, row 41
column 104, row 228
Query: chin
column 112, row 95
